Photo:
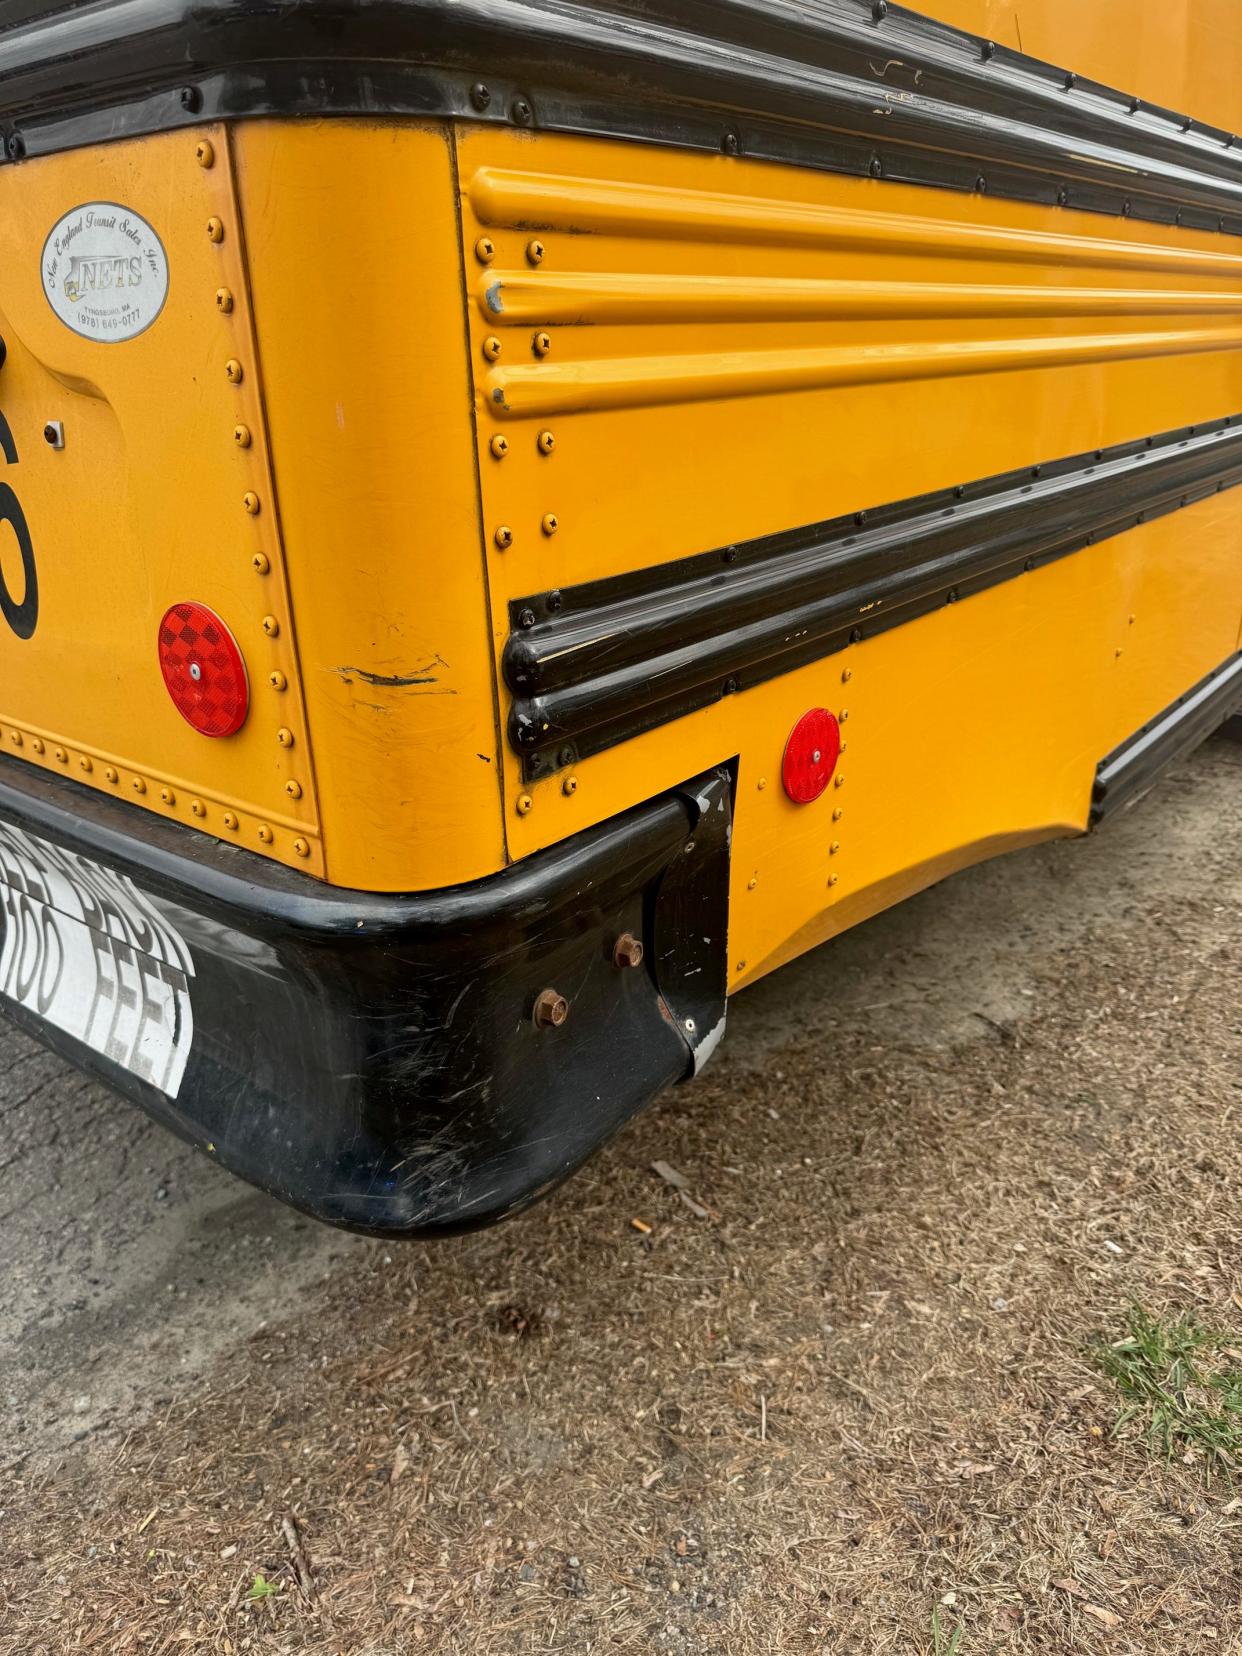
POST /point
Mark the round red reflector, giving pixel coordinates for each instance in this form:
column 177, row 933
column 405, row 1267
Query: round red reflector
column 811, row 755
column 203, row 670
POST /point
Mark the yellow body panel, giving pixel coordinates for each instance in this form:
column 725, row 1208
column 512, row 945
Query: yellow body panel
column 145, row 506
column 718, row 349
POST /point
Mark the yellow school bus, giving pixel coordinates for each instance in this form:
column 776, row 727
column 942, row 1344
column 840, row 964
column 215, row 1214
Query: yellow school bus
column 522, row 516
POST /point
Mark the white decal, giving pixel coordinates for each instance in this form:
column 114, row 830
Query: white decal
column 105, row 271
column 88, row 952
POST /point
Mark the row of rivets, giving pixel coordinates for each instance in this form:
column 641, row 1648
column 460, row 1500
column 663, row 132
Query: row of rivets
column 260, row 562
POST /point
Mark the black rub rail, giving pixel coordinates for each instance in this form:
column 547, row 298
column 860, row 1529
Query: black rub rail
column 593, row 665
column 852, row 86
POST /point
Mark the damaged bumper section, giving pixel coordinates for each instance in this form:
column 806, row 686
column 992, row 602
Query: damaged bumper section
column 401, row 1066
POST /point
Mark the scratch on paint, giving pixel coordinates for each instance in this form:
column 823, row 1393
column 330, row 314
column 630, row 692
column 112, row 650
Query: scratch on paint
column 394, row 681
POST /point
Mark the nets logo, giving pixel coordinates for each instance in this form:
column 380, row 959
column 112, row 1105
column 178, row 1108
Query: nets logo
column 105, row 272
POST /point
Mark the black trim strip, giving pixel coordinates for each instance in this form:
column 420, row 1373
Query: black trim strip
column 595, row 664
column 1130, row 769
column 854, row 86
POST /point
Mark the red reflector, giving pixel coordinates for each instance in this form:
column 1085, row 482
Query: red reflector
column 203, row 670
column 811, row 755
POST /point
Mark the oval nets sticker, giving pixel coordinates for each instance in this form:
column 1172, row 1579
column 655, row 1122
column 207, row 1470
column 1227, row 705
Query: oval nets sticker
column 105, row 271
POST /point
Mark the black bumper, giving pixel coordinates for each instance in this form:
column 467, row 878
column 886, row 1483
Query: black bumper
column 374, row 1060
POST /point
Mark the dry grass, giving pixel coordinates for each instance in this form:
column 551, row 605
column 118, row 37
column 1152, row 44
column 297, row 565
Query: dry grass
column 858, row 1409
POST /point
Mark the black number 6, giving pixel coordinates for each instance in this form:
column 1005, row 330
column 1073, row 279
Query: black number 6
column 23, row 617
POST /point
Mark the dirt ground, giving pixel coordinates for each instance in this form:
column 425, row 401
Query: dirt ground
column 855, row 1409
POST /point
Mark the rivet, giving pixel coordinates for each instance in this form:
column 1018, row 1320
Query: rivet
column 569, row 786
column 762, row 783
column 271, row 626
column 140, row 786
column 265, row 833
column 545, row 442
column 843, row 715
column 215, row 230
column 205, row 153
column 535, row 251
column 285, row 736
column 62, row 756
column 847, row 674
column 485, row 250
column 277, row 680
column 302, row 847
column 499, row 446
column 250, row 501
column 17, row 738
column 260, row 563
column 834, row 848
column 837, row 814
column 741, row 966
column 751, row 883
column 230, row 819
column 492, row 348
column 197, row 806
column 504, row 537
column 37, row 745
column 293, row 789
column 551, row 1009
column 168, row 796
column 551, row 523
column 234, row 371
column 111, row 772
column 833, row 878
column 241, row 436
column 224, row 300
column 525, row 805
column 838, row 782
column 541, row 344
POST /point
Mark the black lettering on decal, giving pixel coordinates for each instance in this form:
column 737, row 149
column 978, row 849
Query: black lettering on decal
column 22, row 617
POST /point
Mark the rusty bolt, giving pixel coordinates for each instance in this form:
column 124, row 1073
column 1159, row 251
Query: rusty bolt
column 551, row 1009
column 628, row 952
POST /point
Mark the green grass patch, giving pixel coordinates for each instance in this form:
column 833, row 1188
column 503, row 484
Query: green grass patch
column 945, row 1643
column 1182, row 1385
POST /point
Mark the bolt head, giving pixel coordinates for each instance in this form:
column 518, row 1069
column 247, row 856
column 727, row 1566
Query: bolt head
column 628, row 953
column 191, row 99
column 551, row 1009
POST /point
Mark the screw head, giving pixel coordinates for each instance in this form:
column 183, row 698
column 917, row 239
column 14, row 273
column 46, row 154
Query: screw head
column 15, row 146
column 534, row 252
column 523, row 114
column 241, row 436
column 499, row 446
column 525, row 805
column 234, row 372
column 485, row 250
column 526, row 618
column 250, row 501
column 551, row 523
column 266, row 834
column 271, row 626
column 277, row 680
column 215, row 230
column 285, row 737
column 224, row 300
column 293, row 789
column 191, row 99
column 551, row 1009
column 480, row 96
column 504, row 537
column 230, row 819
column 628, row 952
column 205, row 153
column 569, row 786
column 261, row 563
column 731, row 143
column 492, row 348
column 196, row 672
column 546, row 442
column 301, row 847
column 541, row 344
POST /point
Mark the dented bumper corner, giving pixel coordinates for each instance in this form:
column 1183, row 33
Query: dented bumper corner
column 375, row 1061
